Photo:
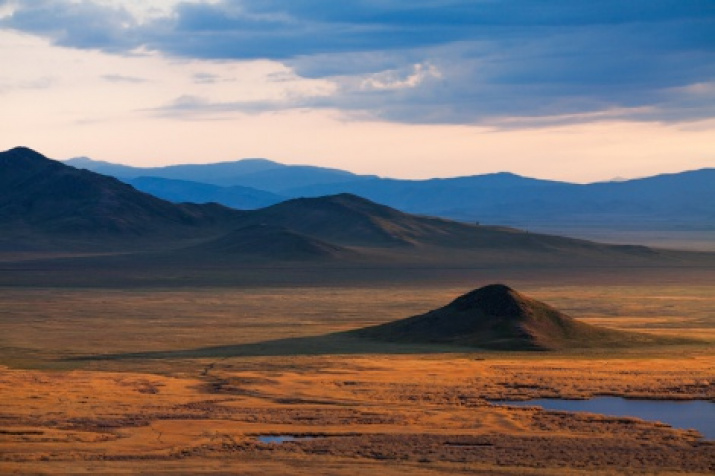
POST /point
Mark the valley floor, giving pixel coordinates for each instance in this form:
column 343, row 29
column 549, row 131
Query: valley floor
column 403, row 413
column 185, row 381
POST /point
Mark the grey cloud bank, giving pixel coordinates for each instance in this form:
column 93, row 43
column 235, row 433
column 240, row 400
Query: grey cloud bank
column 429, row 61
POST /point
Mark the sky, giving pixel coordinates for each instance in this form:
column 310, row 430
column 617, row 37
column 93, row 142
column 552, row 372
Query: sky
column 576, row 90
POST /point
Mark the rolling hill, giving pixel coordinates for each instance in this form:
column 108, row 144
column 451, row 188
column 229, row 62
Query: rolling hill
column 45, row 199
column 497, row 317
column 350, row 220
column 266, row 242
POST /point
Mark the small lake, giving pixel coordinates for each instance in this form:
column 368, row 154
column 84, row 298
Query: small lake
column 283, row 438
column 691, row 414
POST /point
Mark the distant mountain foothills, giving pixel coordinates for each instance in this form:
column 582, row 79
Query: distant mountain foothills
column 682, row 201
column 45, row 203
column 268, row 242
column 48, row 205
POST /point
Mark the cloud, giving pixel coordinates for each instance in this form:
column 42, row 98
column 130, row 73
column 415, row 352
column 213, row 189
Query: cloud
column 206, row 78
column 44, row 82
column 77, row 24
column 120, row 78
column 393, row 80
column 449, row 61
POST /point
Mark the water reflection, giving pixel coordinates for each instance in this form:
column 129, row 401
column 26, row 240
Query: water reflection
column 693, row 414
column 282, row 438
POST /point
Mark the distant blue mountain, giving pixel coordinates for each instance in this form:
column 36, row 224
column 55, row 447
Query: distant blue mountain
column 261, row 174
column 680, row 201
column 672, row 201
column 467, row 197
column 179, row 191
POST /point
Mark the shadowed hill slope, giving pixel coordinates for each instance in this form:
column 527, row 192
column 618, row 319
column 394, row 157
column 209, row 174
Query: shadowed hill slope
column 345, row 219
column 270, row 242
column 351, row 220
column 39, row 196
column 497, row 317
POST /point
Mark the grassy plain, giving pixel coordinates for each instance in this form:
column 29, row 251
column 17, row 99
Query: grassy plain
column 183, row 380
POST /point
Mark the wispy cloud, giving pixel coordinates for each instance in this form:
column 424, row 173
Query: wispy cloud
column 43, row 82
column 120, row 78
column 392, row 80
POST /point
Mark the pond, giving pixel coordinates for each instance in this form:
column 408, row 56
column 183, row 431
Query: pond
column 282, row 438
column 691, row 414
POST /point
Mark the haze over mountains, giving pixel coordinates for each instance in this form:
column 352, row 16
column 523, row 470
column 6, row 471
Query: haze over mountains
column 682, row 201
column 262, row 174
column 62, row 226
column 46, row 204
column 178, row 191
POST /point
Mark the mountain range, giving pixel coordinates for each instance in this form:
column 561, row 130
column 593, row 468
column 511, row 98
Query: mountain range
column 262, row 174
column 45, row 204
column 179, row 191
column 681, row 201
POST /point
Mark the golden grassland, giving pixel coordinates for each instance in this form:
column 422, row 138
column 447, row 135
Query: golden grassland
column 184, row 380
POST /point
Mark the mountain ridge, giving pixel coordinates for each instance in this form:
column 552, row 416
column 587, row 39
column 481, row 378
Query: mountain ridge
column 242, row 172
column 43, row 197
column 181, row 191
column 671, row 201
column 45, row 200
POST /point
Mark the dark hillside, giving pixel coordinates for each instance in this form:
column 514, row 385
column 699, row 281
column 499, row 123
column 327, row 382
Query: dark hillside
column 272, row 243
column 347, row 219
column 39, row 196
column 497, row 317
